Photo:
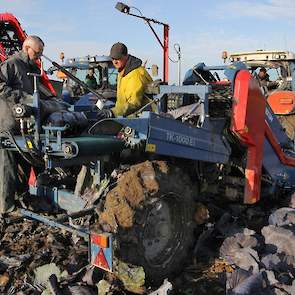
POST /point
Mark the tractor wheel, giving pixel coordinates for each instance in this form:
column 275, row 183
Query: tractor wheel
column 151, row 211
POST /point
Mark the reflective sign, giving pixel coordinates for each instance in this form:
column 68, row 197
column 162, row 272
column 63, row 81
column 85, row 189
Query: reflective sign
column 101, row 251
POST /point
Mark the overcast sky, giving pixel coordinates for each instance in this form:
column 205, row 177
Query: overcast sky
column 202, row 28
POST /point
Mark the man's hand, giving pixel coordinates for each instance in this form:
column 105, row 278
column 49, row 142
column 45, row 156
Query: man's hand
column 280, row 83
column 104, row 114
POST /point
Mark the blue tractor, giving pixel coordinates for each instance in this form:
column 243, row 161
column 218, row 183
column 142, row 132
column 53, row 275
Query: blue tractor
column 104, row 77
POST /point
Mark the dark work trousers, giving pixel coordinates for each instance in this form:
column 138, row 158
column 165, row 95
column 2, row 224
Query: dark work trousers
column 14, row 175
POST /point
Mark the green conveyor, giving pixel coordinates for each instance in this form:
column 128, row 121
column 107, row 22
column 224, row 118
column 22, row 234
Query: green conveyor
column 92, row 145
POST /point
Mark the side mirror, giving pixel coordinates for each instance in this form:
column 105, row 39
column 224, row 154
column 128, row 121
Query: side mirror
column 155, row 70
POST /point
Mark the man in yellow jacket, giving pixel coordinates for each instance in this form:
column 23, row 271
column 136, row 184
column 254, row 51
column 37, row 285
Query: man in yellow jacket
column 131, row 84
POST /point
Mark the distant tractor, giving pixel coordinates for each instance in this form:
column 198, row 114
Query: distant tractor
column 105, row 75
column 280, row 66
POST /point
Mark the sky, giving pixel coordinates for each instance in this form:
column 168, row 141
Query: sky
column 203, row 29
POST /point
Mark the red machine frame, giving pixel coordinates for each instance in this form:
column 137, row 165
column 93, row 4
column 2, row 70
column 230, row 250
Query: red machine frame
column 21, row 35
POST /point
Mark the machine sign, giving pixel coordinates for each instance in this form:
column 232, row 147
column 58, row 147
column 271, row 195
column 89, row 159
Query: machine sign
column 180, row 138
column 101, row 251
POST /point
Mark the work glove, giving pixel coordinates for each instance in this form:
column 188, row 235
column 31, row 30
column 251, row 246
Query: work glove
column 104, row 114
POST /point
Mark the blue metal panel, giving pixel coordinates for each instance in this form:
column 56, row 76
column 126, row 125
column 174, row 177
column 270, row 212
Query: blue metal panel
column 290, row 171
column 64, row 199
column 277, row 128
column 178, row 139
column 230, row 71
column 140, row 124
column 168, row 149
column 281, row 174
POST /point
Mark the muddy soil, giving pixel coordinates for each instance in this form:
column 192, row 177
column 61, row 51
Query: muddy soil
column 130, row 192
column 25, row 245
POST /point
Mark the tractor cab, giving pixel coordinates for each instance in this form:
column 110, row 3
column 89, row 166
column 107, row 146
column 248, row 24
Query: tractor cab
column 99, row 68
column 279, row 66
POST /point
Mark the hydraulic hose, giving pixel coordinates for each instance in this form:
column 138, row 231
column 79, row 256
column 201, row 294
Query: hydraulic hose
column 28, row 157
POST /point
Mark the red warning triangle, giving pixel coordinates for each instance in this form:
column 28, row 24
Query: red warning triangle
column 32, row 179
column 101, row 261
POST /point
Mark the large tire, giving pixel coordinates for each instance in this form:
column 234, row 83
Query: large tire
column 151, row 211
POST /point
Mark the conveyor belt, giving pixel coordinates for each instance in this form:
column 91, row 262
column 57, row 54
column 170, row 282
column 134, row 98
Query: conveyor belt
column 91, row 145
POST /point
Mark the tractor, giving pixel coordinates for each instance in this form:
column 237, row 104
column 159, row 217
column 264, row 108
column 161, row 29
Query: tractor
column 104, row 73
column 280, row 66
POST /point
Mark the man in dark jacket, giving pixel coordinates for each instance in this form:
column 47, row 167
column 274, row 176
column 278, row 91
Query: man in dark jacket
column 15, row 86
column 264, row 79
